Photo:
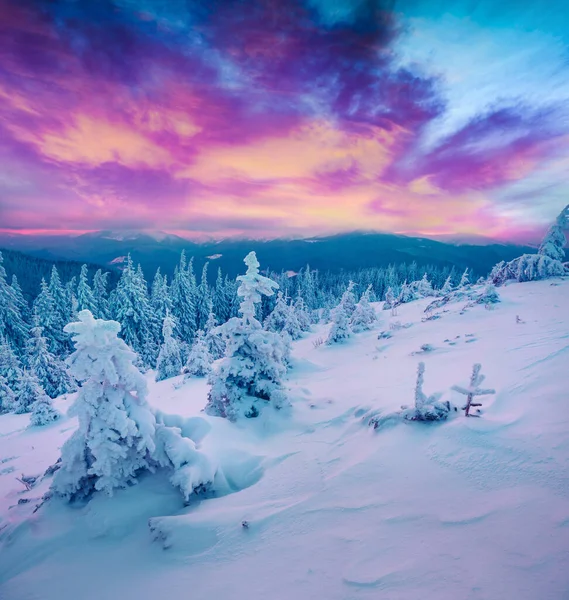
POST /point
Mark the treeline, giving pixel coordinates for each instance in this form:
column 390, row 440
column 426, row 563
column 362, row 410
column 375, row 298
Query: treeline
column 30, row 270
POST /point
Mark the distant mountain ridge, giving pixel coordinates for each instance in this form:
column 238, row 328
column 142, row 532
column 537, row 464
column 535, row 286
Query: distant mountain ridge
column 350, row 251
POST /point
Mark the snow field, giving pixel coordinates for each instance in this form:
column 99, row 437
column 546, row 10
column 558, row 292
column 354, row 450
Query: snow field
column 466, row 509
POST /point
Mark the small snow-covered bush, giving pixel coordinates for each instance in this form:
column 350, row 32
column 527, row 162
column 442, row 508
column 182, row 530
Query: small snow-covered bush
column 427, row 408
column 43, row 412
column 489, row 295
column 473, row 389
column 193, row 470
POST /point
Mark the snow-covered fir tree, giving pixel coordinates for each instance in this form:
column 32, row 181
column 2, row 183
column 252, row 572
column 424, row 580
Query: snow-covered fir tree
column 183, row 295
column 29, row 390
column 427, row 408
column 554, row 242
column 151, row 335
column 406, row 294
column 214, row 338
column 340, row 330
column 85, row 298
column 116, row 434
column 348, row 300
column 160, row 296
column 10, row 366
column 364, row 316
column 20, row 301
column 169, row 362
column 61, row 302
column 291, row 326
column 424, row 287
column 251, row 373
column 12, row 325
column 7, row 396
column 447, row 287
column 221, row 299
column 51, row 372
column 100, row 295
column 528, row 267
column 131, row 308
column 43, row 412
column 284, row 317
column 277, row 319
column 50, row 319
column 390, row 301
column 301, row 313
column 489, row 295
column 199, row 359
column 203, row 300
column 465, row 279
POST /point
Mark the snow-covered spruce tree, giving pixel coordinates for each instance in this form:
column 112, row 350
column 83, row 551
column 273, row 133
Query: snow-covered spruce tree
column 203, row 300
column 489, row 295
column 340, row 330
column 250, row 375
column 214, row 338
column 554, row 242
column 183, row 294
column 465, row 279
column 528, row 267
column 424, row 287
column 51, row 372
column 277, row 319
column 447, row 287
column 406, row 294
column 131, row 308
column 12, row 325
column 301, row 313
column 43, row 412
column 291, row 328
column 100, row 295
column 221, row 299
column 10, row 366
column 427, row 408
column 58, row 293
column 283, row 318
column 160, row 300
column 364, row 316
column 29, row 390
column 50, row 318
column 348, row 300
column 7, row 396
column 85, row 298
column 199, row 360
column 116, row 434
column 20, row 301
column 169, row 362
column 390, row 302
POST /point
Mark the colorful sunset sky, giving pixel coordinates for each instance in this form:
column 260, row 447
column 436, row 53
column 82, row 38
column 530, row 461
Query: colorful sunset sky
column 270, row 118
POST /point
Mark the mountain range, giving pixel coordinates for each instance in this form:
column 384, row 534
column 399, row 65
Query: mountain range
column 348, row 251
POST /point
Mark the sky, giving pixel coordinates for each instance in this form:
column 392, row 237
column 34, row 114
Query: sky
column 271, row 118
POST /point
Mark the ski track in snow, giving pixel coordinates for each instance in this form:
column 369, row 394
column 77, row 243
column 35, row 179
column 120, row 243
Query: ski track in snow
column 468, row 509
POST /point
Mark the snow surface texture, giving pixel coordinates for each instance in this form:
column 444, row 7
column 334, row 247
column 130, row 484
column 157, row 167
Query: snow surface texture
column 314, row 503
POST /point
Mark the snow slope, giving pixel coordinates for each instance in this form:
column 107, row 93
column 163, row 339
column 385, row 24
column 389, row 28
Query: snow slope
column 468, row 509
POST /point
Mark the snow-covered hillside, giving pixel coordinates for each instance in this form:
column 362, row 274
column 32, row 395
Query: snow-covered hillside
column 316, row 504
